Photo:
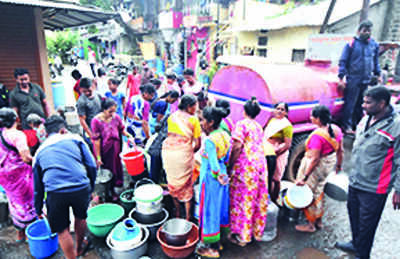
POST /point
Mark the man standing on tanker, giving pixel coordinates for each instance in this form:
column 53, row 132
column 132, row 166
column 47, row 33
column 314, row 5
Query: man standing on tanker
column 358, row 63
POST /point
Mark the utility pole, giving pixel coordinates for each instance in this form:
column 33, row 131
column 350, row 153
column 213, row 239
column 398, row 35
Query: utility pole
column 327, row 16
column 184, row 48
column 364, row 10
column 217, row 40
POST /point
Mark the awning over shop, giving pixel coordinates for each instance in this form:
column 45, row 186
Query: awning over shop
column 64, row 14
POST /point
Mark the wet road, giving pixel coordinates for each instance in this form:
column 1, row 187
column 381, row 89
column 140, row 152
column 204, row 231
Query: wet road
column 288, row 243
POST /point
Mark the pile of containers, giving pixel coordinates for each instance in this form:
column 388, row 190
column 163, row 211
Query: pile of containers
column 128, row 240
column 149, row 211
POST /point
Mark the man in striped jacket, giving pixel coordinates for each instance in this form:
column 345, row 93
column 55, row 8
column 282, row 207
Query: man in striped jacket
column 375, row 170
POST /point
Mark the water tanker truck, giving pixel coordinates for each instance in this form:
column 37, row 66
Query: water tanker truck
column 302, row 86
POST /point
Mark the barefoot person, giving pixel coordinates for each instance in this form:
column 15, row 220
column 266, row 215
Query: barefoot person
column 178, row 152
column 323, row 152
column 214, row 189
column 248, row 170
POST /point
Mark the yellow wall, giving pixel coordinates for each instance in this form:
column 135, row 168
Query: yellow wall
column 282, row 42
column 246, row 39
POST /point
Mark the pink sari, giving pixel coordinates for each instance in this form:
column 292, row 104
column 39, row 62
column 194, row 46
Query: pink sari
column 16, row 178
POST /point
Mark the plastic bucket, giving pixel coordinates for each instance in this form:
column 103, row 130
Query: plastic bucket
column 134, row 161
column 42, row 243
column 58, row 94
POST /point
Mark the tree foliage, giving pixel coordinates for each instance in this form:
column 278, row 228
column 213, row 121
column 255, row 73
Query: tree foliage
column 60, row 43
column 103, row 4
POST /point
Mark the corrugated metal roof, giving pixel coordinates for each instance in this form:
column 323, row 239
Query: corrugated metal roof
column 304, row 15
column 65, row 14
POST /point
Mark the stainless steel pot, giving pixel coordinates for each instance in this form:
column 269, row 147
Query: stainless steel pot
column 152, row 227
column 176, row 231
column 102, row 185
column 134, row 252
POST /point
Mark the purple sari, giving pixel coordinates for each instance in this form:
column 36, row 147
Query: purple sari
column 16, row 178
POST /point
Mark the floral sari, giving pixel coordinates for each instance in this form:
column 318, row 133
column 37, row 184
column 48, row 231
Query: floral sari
column 249, row 184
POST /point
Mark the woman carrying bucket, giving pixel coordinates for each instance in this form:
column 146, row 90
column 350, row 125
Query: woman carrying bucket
column 16, row 175
column 323, row 151
column 178, row 152
column 107, row 128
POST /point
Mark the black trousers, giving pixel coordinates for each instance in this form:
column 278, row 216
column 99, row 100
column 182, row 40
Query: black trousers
column 353, row 99
column 365, row 210
column 155, row 168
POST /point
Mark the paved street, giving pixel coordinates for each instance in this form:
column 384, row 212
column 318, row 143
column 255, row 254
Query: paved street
column 287, row 245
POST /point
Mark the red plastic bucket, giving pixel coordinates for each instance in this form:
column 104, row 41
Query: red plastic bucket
column 134, row 161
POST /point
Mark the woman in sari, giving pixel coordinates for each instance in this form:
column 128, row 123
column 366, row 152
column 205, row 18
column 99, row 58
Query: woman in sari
column 107, row 128
column 278, row 134
column 178, row 152
column 16, row 175
column 226, row 123
column 323, row 151
column 248, row 188
column 214, row 189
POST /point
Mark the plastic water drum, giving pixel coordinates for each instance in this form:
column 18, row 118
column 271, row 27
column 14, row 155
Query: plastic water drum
column 134, row 161
column 42, row 243
column 58, row 94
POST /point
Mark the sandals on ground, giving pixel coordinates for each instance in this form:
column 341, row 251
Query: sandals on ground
column 306, row 228
column 236, row 241
column 86, row 246
column 207, row 252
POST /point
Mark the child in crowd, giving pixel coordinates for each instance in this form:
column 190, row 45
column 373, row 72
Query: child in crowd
column 118, row 97
column 77, row 76
column 101, row 82
column 36, row 134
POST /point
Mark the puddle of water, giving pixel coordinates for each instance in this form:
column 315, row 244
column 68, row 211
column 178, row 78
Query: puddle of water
column 308, row 253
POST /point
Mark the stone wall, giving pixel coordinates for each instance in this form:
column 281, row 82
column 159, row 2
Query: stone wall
column 391, row 33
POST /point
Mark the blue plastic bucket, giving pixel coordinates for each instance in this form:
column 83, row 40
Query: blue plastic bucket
column 58, row 94
column 42, row 243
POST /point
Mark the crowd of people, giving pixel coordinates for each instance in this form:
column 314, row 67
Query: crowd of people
column 172, row 119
